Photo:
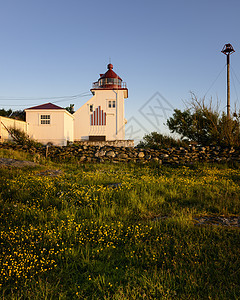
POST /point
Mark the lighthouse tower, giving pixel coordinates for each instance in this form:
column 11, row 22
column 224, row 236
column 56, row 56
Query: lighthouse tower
column 102, row 117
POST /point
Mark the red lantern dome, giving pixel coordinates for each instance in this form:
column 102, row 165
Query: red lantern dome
column 109, row 80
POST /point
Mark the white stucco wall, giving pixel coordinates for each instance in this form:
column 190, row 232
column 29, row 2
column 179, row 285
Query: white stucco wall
column 115, row 122
column 68, row 127
column 58, row 132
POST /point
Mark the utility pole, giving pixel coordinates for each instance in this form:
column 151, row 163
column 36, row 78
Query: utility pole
column 228, row 50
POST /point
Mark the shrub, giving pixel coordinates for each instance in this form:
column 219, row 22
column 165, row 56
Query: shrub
column 23, row 139
column 156, row 140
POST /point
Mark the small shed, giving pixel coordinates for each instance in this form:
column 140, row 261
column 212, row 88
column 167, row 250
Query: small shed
column 50, row 123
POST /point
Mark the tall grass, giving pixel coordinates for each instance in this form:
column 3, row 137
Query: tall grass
column 103, row 231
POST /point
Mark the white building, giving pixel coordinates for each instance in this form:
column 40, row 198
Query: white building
column 100, row 119
column 50, row 123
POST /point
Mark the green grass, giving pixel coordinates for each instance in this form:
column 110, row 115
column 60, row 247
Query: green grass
column 77, row 237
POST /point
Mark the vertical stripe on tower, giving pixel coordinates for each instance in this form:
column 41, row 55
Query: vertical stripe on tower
column 100, row 116
column 97, row 115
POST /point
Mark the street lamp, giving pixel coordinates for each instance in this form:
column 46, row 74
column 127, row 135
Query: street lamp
column 228, row 50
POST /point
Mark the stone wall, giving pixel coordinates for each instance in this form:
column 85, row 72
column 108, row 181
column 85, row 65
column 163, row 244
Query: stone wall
column 83, row 153
column 117, row 143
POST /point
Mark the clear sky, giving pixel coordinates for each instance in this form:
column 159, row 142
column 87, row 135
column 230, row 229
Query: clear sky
column 56, row 48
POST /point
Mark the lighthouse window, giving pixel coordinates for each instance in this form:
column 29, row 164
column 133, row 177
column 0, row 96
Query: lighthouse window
column 110, row 80
column 111, row 104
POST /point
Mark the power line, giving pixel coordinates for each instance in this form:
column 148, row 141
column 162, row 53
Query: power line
column 72, row 99
column 215, row 81
column 42, row 98
column 234, row 84
column 235, row 74
column 63, row 99
column 14, row 104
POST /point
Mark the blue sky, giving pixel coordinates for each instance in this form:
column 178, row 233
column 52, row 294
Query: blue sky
column 56, row 48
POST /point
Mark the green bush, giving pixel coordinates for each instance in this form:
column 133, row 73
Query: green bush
column 156, row 140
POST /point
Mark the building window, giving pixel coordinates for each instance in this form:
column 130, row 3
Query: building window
column 91, row 108
column 111, row 104
column 45, row 119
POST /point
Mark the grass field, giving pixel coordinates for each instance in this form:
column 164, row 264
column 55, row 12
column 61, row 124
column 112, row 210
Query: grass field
column 118, row 231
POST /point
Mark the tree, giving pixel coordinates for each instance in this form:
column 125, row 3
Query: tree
column 18, row 114
column 205, row 125
column 5, row 113
column 70, row 108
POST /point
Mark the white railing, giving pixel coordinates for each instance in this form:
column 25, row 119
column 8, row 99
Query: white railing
column 96, row 85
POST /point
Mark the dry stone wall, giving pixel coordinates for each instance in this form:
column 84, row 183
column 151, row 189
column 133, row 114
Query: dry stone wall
column 117, row 143
column 83, row 153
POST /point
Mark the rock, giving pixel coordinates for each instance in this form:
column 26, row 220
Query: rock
column 9, row 162
column 114, row 185
column 102, row 153
column 141, row 155
column 110, row 154
column 122, row 155
column 51, row 173
column 217, row 220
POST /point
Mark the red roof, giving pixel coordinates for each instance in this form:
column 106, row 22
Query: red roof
column 46, row 106
column 110, row 73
